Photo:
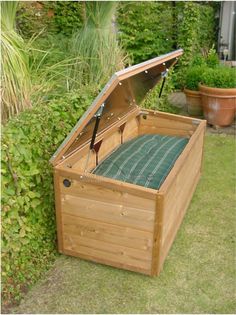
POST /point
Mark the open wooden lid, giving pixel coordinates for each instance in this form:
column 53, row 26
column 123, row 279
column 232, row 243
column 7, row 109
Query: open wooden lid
column 122, row 94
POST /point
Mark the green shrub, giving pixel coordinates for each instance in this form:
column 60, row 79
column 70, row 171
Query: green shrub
column 220, row 77
column 145, row 28
column 212, row 59
column 33, row 17
column 194, row 77
column 51, row 17
column 28, row 220
column 68, row 16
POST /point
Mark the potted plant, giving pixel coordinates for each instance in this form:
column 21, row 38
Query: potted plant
column 193, row 76
column 218, row 93
column 193, row 98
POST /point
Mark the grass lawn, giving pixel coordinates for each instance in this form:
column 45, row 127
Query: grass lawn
column 198, row 275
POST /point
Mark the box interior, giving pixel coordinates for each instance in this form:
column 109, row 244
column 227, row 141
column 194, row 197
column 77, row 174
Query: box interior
column 84, row 160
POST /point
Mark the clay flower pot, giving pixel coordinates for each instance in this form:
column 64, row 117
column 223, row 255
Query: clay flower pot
column 194, row 102
column 219, row 105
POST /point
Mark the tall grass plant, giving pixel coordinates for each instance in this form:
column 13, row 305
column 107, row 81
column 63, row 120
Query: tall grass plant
column 15, row 73
column 95, row 46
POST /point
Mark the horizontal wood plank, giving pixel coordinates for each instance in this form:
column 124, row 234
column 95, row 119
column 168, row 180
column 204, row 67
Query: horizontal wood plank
column 106, row 261
column 110, row 233
column 112, row 184
column 76, row 241
column 164, row 131
column 105, row 251
column 105, row 194
column 165, row 122
column 107, row 212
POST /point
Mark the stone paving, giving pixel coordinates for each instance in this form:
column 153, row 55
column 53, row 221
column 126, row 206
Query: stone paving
column 178, row 99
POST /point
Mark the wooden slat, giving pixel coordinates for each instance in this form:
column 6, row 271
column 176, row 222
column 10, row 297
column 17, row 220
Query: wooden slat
column 176, row 198
column 108, row 145
column 106, row 212
column 113, row 184
column 157, row 235
column 165, row 122
column 164, row 131
column 126, row 73
column 183, row 157
column 179, row 188
column 101, row 193
column 131, row 130
column 77, row 241
column 106, row 261
column 173, row 117
column 58, row 210
column 174, row 229
column 110, row 233
column 86, row 162
column 100, row 249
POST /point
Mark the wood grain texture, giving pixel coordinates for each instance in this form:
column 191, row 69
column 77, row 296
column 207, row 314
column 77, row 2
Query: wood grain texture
column 100, row 223
column 178, row 190
column 131, row 130
column 101, row 249
column 107, row 261
column 107, row 212
column 157, row 234
column 164, row 131
column 105, row 193
column 110, row 233
column 58, row 209
column 115, row 185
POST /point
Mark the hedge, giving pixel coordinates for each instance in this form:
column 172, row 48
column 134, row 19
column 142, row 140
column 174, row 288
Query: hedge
column 145, row 29
column 28, row 220
column 149, row 29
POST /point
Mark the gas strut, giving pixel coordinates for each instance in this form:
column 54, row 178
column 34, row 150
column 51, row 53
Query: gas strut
column 91, row 147
column 164, row 75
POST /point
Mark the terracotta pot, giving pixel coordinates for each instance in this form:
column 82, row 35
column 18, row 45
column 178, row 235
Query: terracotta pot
column 194, row 104
column 219, row 105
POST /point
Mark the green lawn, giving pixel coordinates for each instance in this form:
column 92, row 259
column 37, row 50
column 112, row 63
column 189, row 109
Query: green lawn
column 198, row 275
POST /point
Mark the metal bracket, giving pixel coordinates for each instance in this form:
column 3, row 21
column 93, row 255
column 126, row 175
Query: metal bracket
column 164, row 75
column 97, row 115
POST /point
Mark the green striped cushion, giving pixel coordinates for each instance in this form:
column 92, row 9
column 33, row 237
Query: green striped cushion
column 145, row 160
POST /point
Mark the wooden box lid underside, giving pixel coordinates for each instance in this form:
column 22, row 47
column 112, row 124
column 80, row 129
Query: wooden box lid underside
column 121, row 95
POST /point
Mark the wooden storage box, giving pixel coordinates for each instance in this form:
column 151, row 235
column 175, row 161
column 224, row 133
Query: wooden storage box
column 113, row 222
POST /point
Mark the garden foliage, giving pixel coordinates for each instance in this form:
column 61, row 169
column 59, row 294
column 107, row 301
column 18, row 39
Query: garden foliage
column 28, row 219
column 15, row 72
column 145, row 29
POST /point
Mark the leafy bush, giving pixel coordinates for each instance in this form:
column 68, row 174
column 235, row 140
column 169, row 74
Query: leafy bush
column 28, row 220
column 194, row 77
column 34, row 17
column 68, row 16
column 220, row 77
column 212, row 59
column 195, row 72
column 145, row 28
column 192, row 36
column 51, row 17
